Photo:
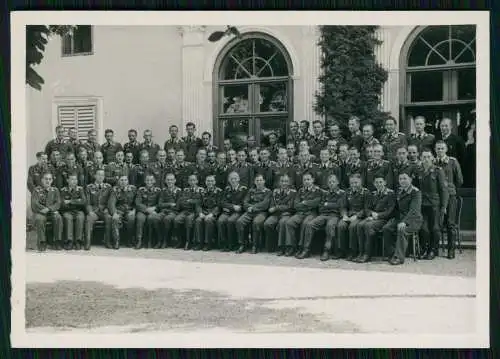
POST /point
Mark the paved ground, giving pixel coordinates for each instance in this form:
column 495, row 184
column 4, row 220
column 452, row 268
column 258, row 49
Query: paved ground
column 172, row 290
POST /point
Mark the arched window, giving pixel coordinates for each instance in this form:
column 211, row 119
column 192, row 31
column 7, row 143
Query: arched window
column 253, row 90
column 439, row 75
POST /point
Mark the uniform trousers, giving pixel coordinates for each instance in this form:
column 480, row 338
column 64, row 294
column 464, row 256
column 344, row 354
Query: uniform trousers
column 329, row 221
column 275, row 224
column 367, row 230
column 348, row 237
column 226, row 227
column 73, row 224
column 431, row 229
column 451, row 221
column 127, row 218
column 184, row 219
column 299, row 220
column 257, row 220
column 204, row 229
column 168, row 218
column 90, row 220
column 152, row 222
column 391, row 231
column 40, row 224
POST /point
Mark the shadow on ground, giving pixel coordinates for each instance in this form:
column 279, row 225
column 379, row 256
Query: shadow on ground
column 74, row 304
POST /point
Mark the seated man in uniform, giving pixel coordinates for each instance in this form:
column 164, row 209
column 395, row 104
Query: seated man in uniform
column 73, row 203
column 146, row 203
column 168, row 205
column 221, row 170
column 97, row 195
column 116, row 169
column 231, row 204
column 306, row 204
column 357, row 201
column 45, row 204
column 255, row 204
column 139, row 171
column 122, row 209
column 280, row 210
column 380, row 209
column 408, row 219
column 182, row 169
column 97, row 164
column 376, row 167
column 36, row 172
column 210, row 210
column 190, row 208
column 243, row 168
column 331, row 208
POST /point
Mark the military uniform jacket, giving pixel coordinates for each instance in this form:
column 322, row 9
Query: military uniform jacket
column 456, row 146
column 422, row 141
column 396, row 168
column 159, row 171
column 35, row 174
column 409, row 203
column 201, row 171
column 97, row 196
column 109, row 151
column 77, row 199
column 317, row 143
column 245, row 171
column 57, row 173
column 351, row 168
column 139, row 172
column 258, row 199
column 433, row 187
column 356, row 140
column 210, row 148
column 273, row 151
column 452, row 172
column 367, row 143
column 211, row 201
column 375, row 168
column 91, row 147
column 281, row 169
column 191, row 198
column 221, row 173
column 57, row 145
column 333, row 202
column 307, row 200
column 283, row 200
column 295, row 138
column 338, row 141
column 169, row 199
column 92, row 169
column 191, row 145
column 76, row 168
column 182, row 172
column 301, row 168
column 391, row 142
column 147, row 197
column 177, row 144
column 324, row 170
column 152, row 149
column 122, row 199
column 114, row 171
column 132, row 147
column 266, row 170
column 233, row 197
column 383, row 203
column 45, row 198
column 357, row 202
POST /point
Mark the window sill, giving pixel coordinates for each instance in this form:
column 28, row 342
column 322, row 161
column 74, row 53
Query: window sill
column 78, row 54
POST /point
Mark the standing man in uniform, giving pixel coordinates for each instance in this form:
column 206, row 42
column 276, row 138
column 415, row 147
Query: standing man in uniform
column 434, row 192
column 57, row 167
column 243, row 169
column 399, row 165
column 392, row 139
column 381, row 206
column 265, row 168
column 331, row 208
column 73, row 167
column 335, row 135
column 73, row 204
column 191, row 142
column 200, row 168
column 294, row 136
column 421, row 139
column 91, row 144
column 72, row 142
column 408, row 219
column 356, row 137
column 231, row 204
column 137, row 175
column 58, row 144
column 357, row 202
column 280, row 210
column 325, row 169
column 306, row 204
column 149, row 146
column 97, row 164
column 290, row 153
column 97, row 195
column 319, row 140
column 304, row 130
column 182, row 169
column 210, row 210
column 110, row 148
column 132, row 145
column 273, row 146
column 160, row 168
column 368, row 140
column 255, row 205
column 121, row 208
column 304, row 166
column 377, row 167
column 281, row 168
column 221, row 170
column 354, row 166
column 168, row 204
column 455, row 179
column 190, row 208
column 454, row 143
column 207, row 145
column 414, row 156
column 116, row 169
column 45, row 204
column 35, row 172
column 146, row 203
column 174, row 141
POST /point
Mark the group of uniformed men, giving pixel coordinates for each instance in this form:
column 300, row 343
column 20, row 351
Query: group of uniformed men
column 191, row 194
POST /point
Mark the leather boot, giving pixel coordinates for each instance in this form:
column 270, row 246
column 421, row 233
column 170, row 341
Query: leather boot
column 117, row 244
column 452, row 235
column 86, row 245
column 325, row 256
column 304, row 254
column 281, row 252
column 138, row 244
column 42, row 247
column 187, row 246
column 206, row 247
column 254, row 249
column 430, row 255
column 364, row 258
column 241, row 249
column 289, row 252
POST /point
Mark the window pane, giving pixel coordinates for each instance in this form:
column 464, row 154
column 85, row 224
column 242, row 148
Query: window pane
column 66, row 45
column 277, row 125
column 273, row 97
column 418, row 53
column 426, row 86
column 236, row 130
column 438, row 56
column 466, row 84
column 82, row 39
column 235, row 99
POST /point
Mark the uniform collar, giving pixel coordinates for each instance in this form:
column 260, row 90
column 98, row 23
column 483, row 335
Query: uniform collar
column 235, row 188
column 445, row 159
column 383, row 192
column 134, row 143
column 150, row 144
column 407, row 190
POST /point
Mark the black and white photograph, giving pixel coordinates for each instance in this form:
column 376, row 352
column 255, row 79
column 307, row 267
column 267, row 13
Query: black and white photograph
column 229, row 180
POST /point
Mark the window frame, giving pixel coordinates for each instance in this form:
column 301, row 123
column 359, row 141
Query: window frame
column 73, row 53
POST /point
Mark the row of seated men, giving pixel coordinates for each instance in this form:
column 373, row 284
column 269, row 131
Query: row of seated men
column 190, row 215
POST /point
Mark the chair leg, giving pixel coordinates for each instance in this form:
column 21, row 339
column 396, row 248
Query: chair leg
column 414, row 245
column 459, row 239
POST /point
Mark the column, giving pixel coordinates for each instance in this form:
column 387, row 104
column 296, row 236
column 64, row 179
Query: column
column 382, row 53
column 193, row 38
column 311, row 57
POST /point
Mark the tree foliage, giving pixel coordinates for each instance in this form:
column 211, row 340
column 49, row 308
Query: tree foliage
column 37, row 37
column 351, row 79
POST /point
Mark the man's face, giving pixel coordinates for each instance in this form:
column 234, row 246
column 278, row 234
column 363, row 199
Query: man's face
column 206, row 139
column 427, row 158
column 47, row 180
column 148, row 136
column 259, row 182
column 317, row 128
column 355, row 182
column 98, row 157
column 367, row 132
column 109, row 136
column 132, row 136
column 333, row 182
column 307, row 180
column 211, row 157
column 60, row 132
column 43, row 159
column 413, row 153
column 353, row 126
column 92, row 136
column 378, row 153
column 123, row 181
column 445, row 127
column 294, row 127
column 353, row 154
column 304, row 126
column 120, row 156
column 290, row 150
column 72, row 181
column 324, row 156
column 210, row 181
column 401, row 154
column 441, row 150
column 331, row 147
column 162, row 156
column 201, row 156
column 390, row 126
column 232, row 155
column 221, row 158
column 419, row 124
column 242, row 156
column 73, row 134
column 171, row 154
column 70, row 160
column 227, row 145
column 304, row 157
column 82, row 154
column 192, row 181
column 282, row 155
column 272, row 139
column 334, row 131
column 254, row 155
column 190, row 130
column 303, row 146
column 284, row 182
column 234, row 179
column 379, row 183
column 174, row 131
column 99, row 176
column 129, row 157
column 149, row 181
column 343, row 152
column 264, row 155
column 170, row 181
column 404, row 180
column 180, row 156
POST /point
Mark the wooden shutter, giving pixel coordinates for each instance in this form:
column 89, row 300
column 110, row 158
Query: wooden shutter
column 83, row 118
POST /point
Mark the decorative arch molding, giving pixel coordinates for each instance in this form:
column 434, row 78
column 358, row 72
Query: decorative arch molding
column 224, row 45
column 404, row 39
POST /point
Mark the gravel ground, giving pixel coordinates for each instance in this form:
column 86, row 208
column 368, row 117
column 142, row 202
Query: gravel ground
column 463, row 265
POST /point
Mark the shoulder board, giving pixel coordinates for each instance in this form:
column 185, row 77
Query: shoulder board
column 157, row 189
column 116, row 189
column 341, row 190
column 389, row 190
column 91, row 186
column 201, row 189
column 177, row 189
column 276, row 190
column 452, row 158
column 415, row 189
column 401, row 134
column 217, row 189
column 243, row 187
column 52, row 189
column 364, row 190
column 227, row 188
column 111, row 164
column 38, row 188
column 186, row 189
column 132, row 187
column 385, row 161
column 64, row 189
column 107, row 185
column 374, row 192
column 293, row 190
column 266, row 189
column 79, row 188
column 142, row 189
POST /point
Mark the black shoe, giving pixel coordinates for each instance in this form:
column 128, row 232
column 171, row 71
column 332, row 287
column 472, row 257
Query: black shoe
column 395, row 261
column 254, row 250
column 336, row 255
column 241, row 249
column 157, row 245
column 116, row 245
column 430, row 255
column 187, row 246
column 364, row 258
column 58, row 246
column 350, row 258
column 197, row 247
column 87, row 245
column 289, row 252
column 206, row 248
column 42, row 247
column 304, row 254
column 451, row 253
column 138, row 244
column 281, row 252
column 325, row 256
column 78, row 246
